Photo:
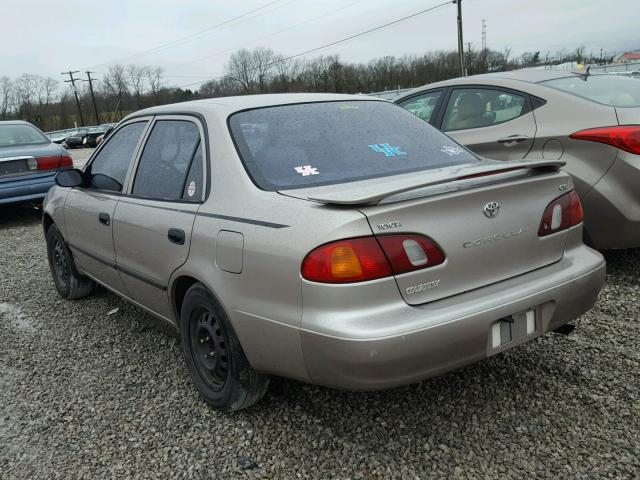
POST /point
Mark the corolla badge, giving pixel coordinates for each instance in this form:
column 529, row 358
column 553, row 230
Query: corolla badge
column 491, row 209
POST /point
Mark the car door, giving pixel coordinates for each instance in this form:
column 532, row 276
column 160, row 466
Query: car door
column 493, row 122
column 424, row 105
column 89, row 210
column 153, row 223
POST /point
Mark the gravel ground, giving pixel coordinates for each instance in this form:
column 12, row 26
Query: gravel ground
column 85, row 393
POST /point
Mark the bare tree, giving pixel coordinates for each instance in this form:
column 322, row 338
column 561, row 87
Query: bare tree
column 116, row 84
column 137, row 76
column 241, row 68
column 154, row 79
column 263, row 60
column 6, row 96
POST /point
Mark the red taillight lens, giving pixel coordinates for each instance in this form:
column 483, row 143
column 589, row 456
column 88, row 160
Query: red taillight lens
column 407, row 253
column 624, row 137
column 370, row 258
column 564, row 212
column 54, row 162
column 66, row 161
column 345, row 261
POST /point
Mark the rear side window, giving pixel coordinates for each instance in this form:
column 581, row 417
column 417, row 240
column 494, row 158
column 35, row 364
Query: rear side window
column 306, row 145
column 481, row 107
column 167, row 161
column 109, row 169
column 422, row 105
column 613, row 90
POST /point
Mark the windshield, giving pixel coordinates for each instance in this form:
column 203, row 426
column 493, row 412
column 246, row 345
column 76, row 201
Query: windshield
column 20, row 134
column 312, row 144
column 613, row 90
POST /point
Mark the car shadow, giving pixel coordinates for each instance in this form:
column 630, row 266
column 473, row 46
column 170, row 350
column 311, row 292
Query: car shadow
column 20, row 215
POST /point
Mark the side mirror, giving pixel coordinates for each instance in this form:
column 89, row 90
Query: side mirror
column 69, row 178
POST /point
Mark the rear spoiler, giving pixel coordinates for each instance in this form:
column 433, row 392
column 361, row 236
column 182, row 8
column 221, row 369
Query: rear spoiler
column 372, row 191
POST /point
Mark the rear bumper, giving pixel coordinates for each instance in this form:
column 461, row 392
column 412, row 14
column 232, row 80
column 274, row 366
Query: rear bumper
column 26, row 189
column 612, row 206
column 440, row 336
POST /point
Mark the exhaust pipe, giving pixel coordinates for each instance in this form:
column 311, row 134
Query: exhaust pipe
column 565, row 329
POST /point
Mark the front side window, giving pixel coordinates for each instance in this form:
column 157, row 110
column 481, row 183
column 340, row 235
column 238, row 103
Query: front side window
column 109, row 169
column 422, row 105
column 613, row 90
column 481, row 107
column 165, row 171
column 323, row 143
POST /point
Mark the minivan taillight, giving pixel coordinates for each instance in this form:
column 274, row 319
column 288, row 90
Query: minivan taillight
column 624, row 137
column 369, row 258
column 564, row 212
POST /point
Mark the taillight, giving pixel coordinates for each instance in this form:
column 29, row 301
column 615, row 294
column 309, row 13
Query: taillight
column 369, row 258
column 66, row 161
column 624, row 137
column 410, row 252
column 564, row 212
column 54, row 162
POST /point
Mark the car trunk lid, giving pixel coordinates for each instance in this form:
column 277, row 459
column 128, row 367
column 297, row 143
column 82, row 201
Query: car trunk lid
column 480, row 247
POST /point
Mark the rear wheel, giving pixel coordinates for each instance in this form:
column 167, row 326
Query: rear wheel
column 68, row 281
column 218, row 366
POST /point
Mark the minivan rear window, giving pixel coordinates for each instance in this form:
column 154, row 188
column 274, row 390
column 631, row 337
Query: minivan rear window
column 613, row 90
column 313, row 144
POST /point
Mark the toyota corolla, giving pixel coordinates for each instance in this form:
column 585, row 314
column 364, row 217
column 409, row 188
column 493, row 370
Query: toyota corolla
column 333, row 239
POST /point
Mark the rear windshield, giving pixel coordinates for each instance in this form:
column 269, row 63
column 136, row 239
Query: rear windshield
column 614, row 90
column 16, row 134
column 312, row 144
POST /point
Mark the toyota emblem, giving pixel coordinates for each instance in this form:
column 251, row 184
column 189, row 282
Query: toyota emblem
column 491, row 209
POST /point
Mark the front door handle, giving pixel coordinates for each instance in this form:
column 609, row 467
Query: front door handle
column 176, row 236
column 512, row 140
column 104, row 218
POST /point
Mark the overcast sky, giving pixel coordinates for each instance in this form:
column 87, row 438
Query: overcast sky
column 47, row 37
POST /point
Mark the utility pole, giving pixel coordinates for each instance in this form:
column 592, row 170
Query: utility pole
column 460, row 41
column 93, row 97
column 600, row 56
column 75, row 92
column 484, row 34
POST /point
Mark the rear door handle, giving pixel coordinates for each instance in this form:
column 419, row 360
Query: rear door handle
column 104, row 218
column 512, row 140
column 176, row 235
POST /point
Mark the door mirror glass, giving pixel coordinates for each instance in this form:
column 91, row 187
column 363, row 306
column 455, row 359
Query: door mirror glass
column 69, row 178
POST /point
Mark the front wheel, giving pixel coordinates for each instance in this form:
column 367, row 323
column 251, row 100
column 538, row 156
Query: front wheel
column 215, row 359
column 69, row 283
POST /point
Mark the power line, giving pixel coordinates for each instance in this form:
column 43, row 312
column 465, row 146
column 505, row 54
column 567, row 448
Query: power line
column 193, row 36
column 332, row 44
column 291, row 27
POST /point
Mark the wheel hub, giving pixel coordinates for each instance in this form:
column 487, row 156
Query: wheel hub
column 209, row 347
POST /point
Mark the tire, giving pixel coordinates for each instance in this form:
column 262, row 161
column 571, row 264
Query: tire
column 69, row 283
column 214, row 357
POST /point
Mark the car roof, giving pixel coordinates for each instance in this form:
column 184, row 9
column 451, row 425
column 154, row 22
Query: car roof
column 14, row 122
column 234, row 104
column 528, row 75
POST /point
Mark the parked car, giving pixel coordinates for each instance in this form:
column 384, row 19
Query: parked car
column 91, row 139
column 334, row 239
column 59, row 136
column 78, row 138
column 29, row 162
column 106, row 133
column 589, row 121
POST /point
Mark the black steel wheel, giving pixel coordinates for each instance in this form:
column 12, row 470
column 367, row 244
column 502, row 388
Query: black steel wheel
column 218, row 366
column 69, row 283
column 209, row 347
